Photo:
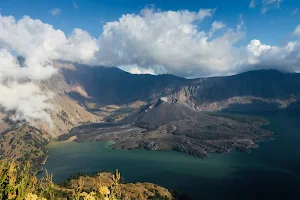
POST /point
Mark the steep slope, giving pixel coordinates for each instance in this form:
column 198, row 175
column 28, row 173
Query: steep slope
column 67, row 112
column 266, row 89
column 114, row 86
column 161, row 112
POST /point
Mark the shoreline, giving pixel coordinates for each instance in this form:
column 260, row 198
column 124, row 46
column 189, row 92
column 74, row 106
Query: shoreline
column 54, row 142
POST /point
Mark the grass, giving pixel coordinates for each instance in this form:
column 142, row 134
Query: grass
column 18, row 183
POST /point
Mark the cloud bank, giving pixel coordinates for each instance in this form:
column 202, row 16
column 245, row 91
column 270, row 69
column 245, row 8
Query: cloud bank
column 172, row 40
column 38, row 43
column 150, row 42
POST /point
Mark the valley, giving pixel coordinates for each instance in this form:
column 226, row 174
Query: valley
column 149, row 100
column 159, row 113
column 175, row 126
column 112, row 95
column 270, row 170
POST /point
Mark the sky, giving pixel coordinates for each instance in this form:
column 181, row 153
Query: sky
column 90, row 15
column 268, row 22
column 187, row 38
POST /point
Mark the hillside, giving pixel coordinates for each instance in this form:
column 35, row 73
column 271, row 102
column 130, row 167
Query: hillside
column 85, row 94
column 19, row 183
column 106, row 86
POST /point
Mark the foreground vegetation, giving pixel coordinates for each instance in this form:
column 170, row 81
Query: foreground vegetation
column 18, row 183
column 24, row 143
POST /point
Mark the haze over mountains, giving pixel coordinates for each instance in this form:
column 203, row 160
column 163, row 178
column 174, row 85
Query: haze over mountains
column 84, row 94
column 99, row 92
column 106, row 86
column 197, row 77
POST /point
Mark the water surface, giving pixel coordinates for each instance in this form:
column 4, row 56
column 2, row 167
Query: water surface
column 271, row 171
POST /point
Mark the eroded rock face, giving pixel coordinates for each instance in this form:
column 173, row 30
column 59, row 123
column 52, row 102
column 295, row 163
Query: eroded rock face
column 111, row 86
column 165, row 126
column 66, row 115
column 67, row 112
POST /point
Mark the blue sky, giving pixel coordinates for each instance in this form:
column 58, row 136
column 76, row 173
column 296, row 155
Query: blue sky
column 273, row 27
column 188, row 38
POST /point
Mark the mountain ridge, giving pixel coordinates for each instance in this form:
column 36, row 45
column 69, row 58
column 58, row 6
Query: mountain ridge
column 114, row 86
column 85, row 94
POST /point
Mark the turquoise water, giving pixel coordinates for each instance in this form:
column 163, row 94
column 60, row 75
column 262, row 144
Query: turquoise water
column 271, row 171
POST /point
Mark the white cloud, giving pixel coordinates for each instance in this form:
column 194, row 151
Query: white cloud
column 150, row 42
column 252, row 4
column 285, row 58
column 270, row 4
column 255, row 49
column 217, row 25
column 39, row 44
column 55, row 11
column 169, row 39
column 138, row 70
column 79, row 47
column 297, row 30
column 27, row 102
column 175, row 42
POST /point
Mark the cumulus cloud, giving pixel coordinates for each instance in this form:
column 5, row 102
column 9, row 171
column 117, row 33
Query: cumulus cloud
column 215, row 27
column 297, row 30
column 20, row 96
column 55, row 11
column 79, row 47
column 255, row 49
column 26, row 101
column 38, row 43
column 172, row 39
column 285, row 58
column 175, row 42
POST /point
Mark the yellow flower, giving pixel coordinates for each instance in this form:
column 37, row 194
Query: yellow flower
column 31, row 196
column 104, row 190
column 87, row 196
